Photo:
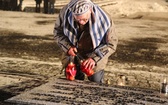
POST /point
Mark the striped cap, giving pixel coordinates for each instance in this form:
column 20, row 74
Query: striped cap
column 81, row 6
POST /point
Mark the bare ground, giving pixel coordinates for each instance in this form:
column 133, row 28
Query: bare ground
column 29, row 56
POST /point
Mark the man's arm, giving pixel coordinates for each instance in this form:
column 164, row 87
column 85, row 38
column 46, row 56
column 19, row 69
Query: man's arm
column 108, row 45
column 62, row 40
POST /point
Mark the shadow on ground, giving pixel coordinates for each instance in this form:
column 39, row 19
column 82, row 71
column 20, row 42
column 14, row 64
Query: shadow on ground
column 17, row 88
column 33, row 9
column 141, row 50
column 18, row 45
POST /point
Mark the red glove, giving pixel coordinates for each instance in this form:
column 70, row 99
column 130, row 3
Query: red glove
column 72, row 51
column 71, row 71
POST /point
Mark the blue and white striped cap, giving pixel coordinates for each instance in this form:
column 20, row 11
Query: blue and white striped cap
column 81, row 6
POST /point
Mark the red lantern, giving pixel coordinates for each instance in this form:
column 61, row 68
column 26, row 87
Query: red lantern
column 88, row 72
column 71, row 71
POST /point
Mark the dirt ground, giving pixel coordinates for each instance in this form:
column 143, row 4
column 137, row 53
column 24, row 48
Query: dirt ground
column 29, row 56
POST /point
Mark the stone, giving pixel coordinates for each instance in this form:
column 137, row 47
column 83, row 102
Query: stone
column 61, row 91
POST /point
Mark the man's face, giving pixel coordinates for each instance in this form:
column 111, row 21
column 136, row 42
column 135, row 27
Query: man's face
column 84, row 18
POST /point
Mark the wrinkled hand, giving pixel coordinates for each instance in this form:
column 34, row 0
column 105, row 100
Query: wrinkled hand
column 72, row 51
column 89, row 64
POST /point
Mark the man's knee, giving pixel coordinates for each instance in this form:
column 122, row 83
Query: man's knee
column 97, row 77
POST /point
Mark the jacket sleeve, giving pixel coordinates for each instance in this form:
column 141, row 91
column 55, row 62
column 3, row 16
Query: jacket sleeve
column 108, row 45
column 62, row 40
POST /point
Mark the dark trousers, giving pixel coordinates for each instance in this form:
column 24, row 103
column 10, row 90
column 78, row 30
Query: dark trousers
column 38, row 8
column 51, row 8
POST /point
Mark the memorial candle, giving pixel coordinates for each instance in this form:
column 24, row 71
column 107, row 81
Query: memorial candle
column 164, row 86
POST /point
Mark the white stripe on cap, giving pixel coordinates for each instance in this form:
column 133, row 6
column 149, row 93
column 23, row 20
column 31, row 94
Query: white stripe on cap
column 81, row 6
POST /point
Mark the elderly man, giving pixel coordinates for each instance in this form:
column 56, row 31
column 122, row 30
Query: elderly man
column 84, row 29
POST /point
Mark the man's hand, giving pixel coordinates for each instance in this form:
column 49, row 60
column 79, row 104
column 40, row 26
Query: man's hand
column 89, row 64
column 72, row 51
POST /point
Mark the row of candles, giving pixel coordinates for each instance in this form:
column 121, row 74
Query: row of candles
column 163, row 89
